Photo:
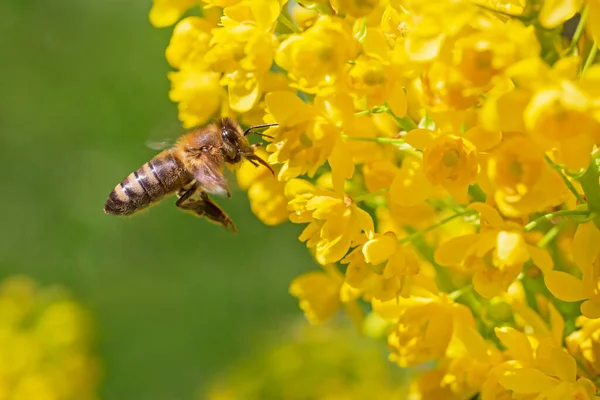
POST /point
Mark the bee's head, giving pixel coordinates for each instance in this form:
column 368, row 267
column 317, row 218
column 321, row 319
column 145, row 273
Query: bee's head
column 236, row 146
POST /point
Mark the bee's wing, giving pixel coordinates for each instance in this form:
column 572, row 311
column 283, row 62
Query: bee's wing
column 209, row 175
column 159, row 144
column 162, row 138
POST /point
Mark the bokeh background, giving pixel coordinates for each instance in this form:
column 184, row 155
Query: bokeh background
column 174, row 299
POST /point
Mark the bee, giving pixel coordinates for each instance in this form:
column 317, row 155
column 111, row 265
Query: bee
column 192, row 169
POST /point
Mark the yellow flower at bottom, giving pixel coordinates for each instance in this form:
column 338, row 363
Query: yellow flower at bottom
column 265, row 192
column 44, row 344
column 548, row 373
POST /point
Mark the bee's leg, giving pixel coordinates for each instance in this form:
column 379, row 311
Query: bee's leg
column 205, row 207
column 185, row 194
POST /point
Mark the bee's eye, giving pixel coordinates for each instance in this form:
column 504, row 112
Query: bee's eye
column 204, row 148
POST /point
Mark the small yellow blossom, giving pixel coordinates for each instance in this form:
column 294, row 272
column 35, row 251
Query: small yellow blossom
column 319, row 293
column 523, row 181
column 336, row 223
column 496, row 255
column 316, row 58
column 198, row 93
column 449, row 161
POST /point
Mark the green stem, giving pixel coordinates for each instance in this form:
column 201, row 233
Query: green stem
column 565, row 179
column 590, row 59
column 551, row 234
column 373, row 139
column 285, row 21
column 562, row 213
column 410, row 238
column 578, row 31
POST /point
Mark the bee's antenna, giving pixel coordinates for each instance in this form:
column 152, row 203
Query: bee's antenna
column 247, row 131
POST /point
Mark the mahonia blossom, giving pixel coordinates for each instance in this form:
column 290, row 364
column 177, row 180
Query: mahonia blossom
column 443, row 157
column 45, row 344
column 309, row 363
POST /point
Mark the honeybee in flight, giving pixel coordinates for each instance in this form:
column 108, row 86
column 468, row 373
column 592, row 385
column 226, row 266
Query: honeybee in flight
column 191, row 169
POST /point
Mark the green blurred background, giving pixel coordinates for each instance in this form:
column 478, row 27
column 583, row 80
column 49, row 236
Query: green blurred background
column 82, row 87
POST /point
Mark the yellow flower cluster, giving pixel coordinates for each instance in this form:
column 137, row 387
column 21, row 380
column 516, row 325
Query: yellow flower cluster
column 443, row 155
column 310, row 363
column 44, row 345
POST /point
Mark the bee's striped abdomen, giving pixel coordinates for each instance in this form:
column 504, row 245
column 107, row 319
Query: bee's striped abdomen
column 158, row 178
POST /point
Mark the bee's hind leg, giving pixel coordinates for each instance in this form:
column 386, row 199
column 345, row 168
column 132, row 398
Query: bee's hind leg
column 205, row 207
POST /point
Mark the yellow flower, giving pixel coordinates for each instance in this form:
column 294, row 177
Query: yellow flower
column 263, row 13
column 381, row 268
column 495, row 255
column 336, row 223
column 190, row 42
column 449, row 161
column 266, row 193
column 425, row 329
column 316, row 58
column 309, row 135
column 243, row 53
column 167, row 12
column 556, row 12
column 586, row 255
column 198, row 93
column 524, row 183
column 44, row 344
column 584, row 344
column 549, row 372
column 377, row 83
column 319, row 293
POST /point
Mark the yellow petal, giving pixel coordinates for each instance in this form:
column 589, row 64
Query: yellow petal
column 482, row 138
column 516, row 343
column 594, row 20
column 488, row 214
column 564, row 286
column 541, row 259
column 586, row 245
column 564, row 365
column 576, row 151
column 591, row 308
column 380, row 249
column 410, row 186
column 419, row 138
column 555, row 12
column 511, row 248
column 423, row 48
column 454, row 251
column 318, row 294
column 398, row 102
column 243, row 95
column 527, row 381
column 287, row 108
column 341, row 164
column 167, row 12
